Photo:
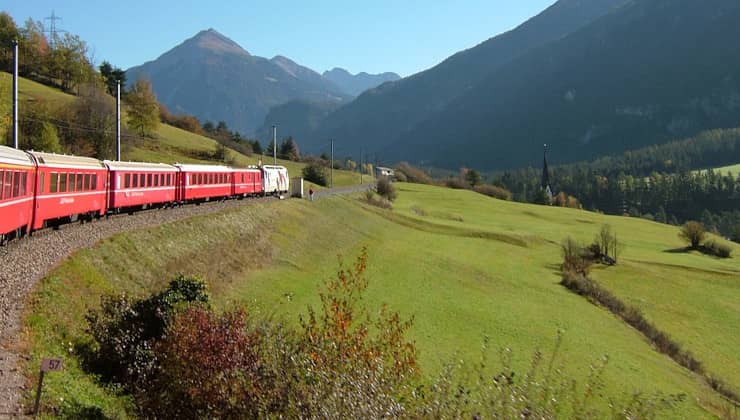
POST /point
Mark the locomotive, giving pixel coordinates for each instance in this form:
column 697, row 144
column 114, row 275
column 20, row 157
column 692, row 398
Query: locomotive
column 39, row 190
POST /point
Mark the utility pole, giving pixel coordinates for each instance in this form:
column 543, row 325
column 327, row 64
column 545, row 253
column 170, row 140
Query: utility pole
column 331, row 164
column 274, row 144
column 15, row 93
column 118, row 120
column 361, row 152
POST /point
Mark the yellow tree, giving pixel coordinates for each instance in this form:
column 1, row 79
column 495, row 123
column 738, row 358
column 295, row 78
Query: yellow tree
column 143, row 108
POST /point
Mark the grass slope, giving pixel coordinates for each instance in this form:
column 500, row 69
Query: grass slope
column 734, row 169
column 463, row 265
column 170, row 145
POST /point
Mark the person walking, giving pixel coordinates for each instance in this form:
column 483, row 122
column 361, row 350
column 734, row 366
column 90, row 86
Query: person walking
column 310, row 194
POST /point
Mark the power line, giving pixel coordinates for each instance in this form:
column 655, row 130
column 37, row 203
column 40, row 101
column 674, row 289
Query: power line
column 53, row 28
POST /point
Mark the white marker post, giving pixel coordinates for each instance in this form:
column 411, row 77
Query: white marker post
column 47, row 365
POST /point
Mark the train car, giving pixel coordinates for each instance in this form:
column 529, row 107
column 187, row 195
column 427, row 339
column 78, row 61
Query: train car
column 134, row 185
column 68, row 188
column 247, row 182
column 17, row 177
column 204, row 182
column 275, row 179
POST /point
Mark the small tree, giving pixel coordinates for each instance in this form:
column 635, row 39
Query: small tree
column 607, row 244
column 386, row 189
column 473, row 177
column 316, row 173
column 693, row 233
column 289, row 150
column 143, row 108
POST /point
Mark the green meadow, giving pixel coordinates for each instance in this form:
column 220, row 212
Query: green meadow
column 462, row 265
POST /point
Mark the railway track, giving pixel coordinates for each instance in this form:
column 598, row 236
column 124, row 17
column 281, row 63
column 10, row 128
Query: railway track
column 24, row 262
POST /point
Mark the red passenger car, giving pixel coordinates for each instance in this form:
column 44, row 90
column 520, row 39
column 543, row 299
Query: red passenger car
column 247, row 182
column 17, row 174
column 134, row 185
column 204, row 182
column 68, row 188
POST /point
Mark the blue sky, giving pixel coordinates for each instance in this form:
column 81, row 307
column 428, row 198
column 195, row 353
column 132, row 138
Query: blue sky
column 405, row 36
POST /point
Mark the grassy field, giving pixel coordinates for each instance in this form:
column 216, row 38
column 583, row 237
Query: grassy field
column 170, row 145
column 463, row 265
column 734, row 169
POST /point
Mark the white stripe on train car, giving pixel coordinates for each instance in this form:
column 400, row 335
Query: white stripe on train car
column 10, row 203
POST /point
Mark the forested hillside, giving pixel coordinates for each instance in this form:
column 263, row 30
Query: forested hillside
column 380, row 116
column 646, row 73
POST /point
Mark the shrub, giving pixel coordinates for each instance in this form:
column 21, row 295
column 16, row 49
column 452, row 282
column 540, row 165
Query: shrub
column 315, row 172
column 718, row 249
column 575, row 257
column 564, row 200
column 377, row 201
column 385, row 188
column 693, row 233
column 493, row 191
column 125, row 330
column 456, row 183
column 400, row 176
column 208, row 367
column 413, row 174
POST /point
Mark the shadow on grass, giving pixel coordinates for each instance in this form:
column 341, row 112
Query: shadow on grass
column 679, row 250
column 706, row 250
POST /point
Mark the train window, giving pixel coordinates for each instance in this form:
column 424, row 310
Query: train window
column 156, row 180
column 24, row 182
column 62, row 182
column 7, row 185
column 16, row 183
column 136, row 180
column 149, row 180
column 127, row 181
column 54, row 184
column 200, row 179
column 94, row 183
column 88, row 186
column 168, row 179
column 80, row 180
column 2, row 178
column 142, row 180
column 43, row 178
column 71, row 182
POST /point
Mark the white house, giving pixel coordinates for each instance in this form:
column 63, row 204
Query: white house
column 382, row 171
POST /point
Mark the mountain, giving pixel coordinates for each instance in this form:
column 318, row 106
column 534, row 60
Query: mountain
column 646, row 73
column 212, row 77
column 355, row 84
column 294, row 118
column 379, row 116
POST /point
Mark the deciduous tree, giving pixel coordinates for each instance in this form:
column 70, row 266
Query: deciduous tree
column 143, row 109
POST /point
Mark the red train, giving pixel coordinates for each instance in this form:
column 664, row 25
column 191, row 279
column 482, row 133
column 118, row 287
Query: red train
column 39, row 190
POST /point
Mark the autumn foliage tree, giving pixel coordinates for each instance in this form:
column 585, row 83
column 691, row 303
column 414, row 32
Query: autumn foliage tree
column 693, row 233
column 143, row 108
column 208, row 367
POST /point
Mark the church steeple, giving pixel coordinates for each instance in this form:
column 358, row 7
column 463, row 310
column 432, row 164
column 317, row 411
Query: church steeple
column 546, row 175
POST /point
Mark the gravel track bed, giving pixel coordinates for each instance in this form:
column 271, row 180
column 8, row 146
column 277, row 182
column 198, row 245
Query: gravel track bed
column 25, row 262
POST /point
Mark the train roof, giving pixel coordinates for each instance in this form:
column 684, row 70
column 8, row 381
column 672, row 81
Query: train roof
column 203, row 168
column 66, row 161
column 139, row 166
column 12, row 156
column 248, row 168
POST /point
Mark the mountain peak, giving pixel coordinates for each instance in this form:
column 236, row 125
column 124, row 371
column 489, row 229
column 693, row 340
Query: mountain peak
column 212, row 40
